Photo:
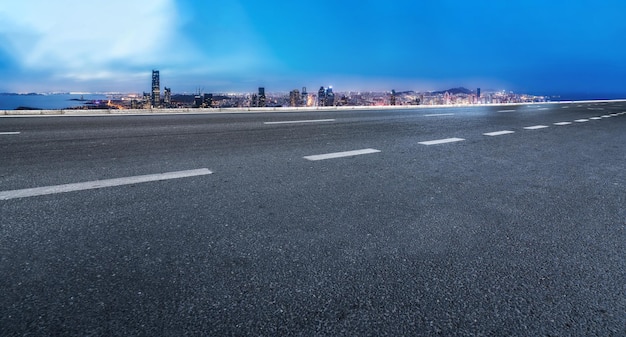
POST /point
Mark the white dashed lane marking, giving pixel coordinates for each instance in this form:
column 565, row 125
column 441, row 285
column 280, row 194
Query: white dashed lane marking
column 441, row 141
column 32, row 192
column 595, row 118
column 9, row 133
column 437, row 115
column 536, row 127
column 563, row 123
column 506, row 110
column 498, row 133
column 581, row 120
column 301, row 121
column 335, row 155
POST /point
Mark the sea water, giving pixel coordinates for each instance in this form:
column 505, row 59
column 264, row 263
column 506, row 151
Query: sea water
column 48, row 101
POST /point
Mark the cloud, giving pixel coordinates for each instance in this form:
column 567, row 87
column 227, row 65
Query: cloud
column 99, row 44
column 83, row 39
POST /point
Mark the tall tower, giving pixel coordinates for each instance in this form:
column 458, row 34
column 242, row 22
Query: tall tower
column 478, row 92
column 156, row 89
column 261, row 97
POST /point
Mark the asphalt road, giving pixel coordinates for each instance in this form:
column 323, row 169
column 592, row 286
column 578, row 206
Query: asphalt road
column 518, row 233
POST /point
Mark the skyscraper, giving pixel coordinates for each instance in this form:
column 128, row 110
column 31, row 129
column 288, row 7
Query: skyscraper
column 478, row 92
column 393, row 97
column 261, row 97
column 156, row 89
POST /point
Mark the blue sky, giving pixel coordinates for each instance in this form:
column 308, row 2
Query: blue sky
column 532, row 46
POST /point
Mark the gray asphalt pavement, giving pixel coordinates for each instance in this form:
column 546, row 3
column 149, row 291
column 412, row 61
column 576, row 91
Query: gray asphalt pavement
column 518, row 233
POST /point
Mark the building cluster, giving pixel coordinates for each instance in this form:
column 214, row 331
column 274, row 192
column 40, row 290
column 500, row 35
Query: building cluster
column 153, row 99
column 324, row 97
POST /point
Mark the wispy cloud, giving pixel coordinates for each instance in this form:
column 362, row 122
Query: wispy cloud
column 75, row 44
column 85, row 39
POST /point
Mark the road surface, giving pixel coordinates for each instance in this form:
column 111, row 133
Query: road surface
column 447, row 221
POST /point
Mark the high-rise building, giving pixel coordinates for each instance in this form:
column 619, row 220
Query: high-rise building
column 167, row 96
column 208, row 100
column 197, row 101
column 294, row 98
column 392, row 100
column 254, row 100
column 261, row 97
column 156, row 89
column 321, row 97
column 330, row 97
column 478, row 92
column 147, row 100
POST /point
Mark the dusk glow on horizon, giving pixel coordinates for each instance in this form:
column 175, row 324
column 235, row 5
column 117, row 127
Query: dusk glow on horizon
column 233, row 46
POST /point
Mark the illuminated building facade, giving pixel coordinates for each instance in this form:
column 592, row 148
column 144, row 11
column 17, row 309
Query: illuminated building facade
column 321, row 97
column 294, row 98
column 262, row 97
column 156, row 89
column 330, row 97
column 167, row 96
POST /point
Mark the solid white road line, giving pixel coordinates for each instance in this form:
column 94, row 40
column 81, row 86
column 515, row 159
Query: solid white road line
column 32, row 192
column 506, row 110
column 340, row 154
column 498, row 133
column 581, row 120
column 441, row 141
column 614, row 115
column 9, row 133
column 536, row 127
column 437, row 115
column 595, row 118
column 606, row 116
column 563, row 123
column 301, row 121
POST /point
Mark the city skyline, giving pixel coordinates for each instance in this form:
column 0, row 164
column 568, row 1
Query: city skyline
column 532, row 47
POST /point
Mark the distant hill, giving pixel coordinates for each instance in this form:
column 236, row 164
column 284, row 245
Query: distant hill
column 454, row 91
